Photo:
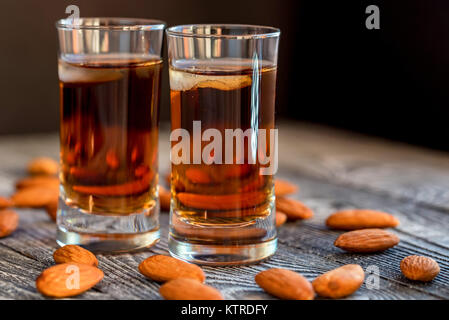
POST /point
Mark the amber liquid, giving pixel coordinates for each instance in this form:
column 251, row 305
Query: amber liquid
column 221, row 95
column 109, row 133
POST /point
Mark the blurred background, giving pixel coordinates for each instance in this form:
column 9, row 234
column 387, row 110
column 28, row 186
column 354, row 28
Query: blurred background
column 391, row 82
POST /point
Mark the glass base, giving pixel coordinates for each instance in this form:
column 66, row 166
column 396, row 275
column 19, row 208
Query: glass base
column 221, row 255
column 107, row 233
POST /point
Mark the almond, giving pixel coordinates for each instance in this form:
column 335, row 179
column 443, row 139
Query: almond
column 164, row 198
column 35, row 197
column 360, row 219
column 283, row 188
column 38, row 181
column 74, row 253
column 294, row 209
column 68, row 279
column 5, row 203
column 340, row 282
column 188, row 289
column 164, row 268
column 420, row 268
column 43, row 166
column 366, row 240
column 52, row 210
column 281, row 218
column 285, row 284
column 9, row 220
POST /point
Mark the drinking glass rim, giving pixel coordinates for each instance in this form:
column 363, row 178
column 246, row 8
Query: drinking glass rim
column 118, row 23
column 270, row 31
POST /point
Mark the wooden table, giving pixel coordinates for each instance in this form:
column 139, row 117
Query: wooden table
column 334, row 169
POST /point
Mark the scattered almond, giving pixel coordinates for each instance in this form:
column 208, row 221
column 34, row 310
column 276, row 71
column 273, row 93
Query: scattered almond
column 9, row 220
column 35, row 197
column 366, row 240
column 360, row 219
column 420, row 268
column 59, row 281
column 74, row 253
column 340, row 282
column 281, row 218
column 164, row 268
column 52, row 210
column 283, row 188
column 285, row 284
column 164, row 198
column 43, row 166
column 38, row 181
column 188, row 289
column 294, row 209
column 5, row 203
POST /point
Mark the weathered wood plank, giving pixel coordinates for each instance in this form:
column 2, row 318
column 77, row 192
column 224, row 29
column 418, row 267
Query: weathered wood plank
column 388, row 168
column 330, row 177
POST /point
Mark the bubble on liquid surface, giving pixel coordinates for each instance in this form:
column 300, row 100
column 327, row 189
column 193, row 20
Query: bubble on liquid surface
column 182, row 81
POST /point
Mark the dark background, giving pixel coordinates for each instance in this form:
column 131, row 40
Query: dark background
column 392, row 82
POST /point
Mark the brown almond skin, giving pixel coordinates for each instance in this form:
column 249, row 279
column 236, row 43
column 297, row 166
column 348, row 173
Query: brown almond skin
column 366, row 240
column 294, row 209
column 9, row 220
column 281, row 218
column 285, row 284
column 188, row 289
column 361, row 219
column 5, row 203
column 52, row 282
column 420, row 268
column 73, row 253
column 164, row 268
column 283, row 188
column 35, row 197
column 38, row 181
column 340, row 282
column 43, row 166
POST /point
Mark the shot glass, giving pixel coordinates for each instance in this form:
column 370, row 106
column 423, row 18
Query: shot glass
column 109, row 80
column 223, row 142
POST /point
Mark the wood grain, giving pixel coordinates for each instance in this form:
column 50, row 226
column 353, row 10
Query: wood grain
column 335, row 171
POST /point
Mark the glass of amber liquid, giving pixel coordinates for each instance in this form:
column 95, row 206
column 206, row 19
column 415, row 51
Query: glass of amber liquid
column 222, row 90
column 109, row 83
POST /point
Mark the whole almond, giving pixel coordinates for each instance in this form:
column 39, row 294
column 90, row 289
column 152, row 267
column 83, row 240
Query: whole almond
column 360, row 219
column 294, row 209
column 366, row 240
column 420, row 268
column 35, row 197
column 43, row 166
column 285, row 284
column 9, row 220
column 164, row 198
column 74, row 253
column 340, row 282
column 164, row 268
column 5, row 203
column 283, row 188
column 68, row 279
column 281, row 218
column 38, row 181
column 188, row 289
